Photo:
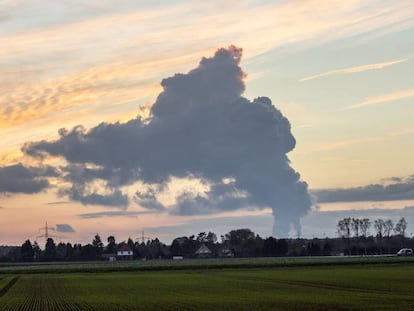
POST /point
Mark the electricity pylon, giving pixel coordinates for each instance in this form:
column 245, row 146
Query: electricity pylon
column 143, row 237
column 45, row 231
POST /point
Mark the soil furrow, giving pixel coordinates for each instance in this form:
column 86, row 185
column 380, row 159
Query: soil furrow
column 9, row 285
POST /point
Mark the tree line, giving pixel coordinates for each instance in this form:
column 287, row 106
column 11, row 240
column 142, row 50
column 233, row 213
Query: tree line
column 387, row 236
column 236, row 243
column 354, row 238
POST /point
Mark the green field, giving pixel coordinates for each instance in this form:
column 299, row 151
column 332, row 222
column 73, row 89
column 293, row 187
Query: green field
column 387, row 286
column 158, row 265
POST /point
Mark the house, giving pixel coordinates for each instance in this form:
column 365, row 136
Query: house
column 124, row 252
column 225, row 253
column 203, row 252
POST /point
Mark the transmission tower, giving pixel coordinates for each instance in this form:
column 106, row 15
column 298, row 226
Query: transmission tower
column 45, row 232
column 143, row 237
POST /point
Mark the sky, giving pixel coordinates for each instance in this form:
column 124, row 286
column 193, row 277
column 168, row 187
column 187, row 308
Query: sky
column 178, row 117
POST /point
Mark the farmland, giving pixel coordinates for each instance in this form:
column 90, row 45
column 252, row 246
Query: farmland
column 387, row 285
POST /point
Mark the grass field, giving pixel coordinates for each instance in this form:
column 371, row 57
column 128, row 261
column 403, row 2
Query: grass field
column 157, row 265
column 332, row 287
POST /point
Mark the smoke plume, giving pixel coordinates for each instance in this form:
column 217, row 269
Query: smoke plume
column 200, row 127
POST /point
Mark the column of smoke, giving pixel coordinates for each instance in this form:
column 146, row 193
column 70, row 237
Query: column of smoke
column 200, row 126
column 246, row 140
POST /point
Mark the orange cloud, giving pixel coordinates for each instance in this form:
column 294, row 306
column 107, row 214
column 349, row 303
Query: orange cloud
column 122, row 56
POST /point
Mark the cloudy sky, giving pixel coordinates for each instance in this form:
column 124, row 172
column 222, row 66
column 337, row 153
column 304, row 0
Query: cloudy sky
column 176, row 118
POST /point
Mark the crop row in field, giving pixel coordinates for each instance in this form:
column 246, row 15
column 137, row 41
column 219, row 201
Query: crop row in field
column 38, row 294
column 370, row 287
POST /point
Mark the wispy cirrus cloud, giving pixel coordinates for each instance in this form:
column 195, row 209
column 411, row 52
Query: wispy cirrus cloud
column 114, row 214
column 406, row 131
column 390, row 97
column 102, row 86
column 347, row 143
column 354, row 69
column 59, row 66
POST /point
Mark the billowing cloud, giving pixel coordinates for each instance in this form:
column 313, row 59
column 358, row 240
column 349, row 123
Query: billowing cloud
column 64, row 228
column 87, row 197
column 399, row 189
column 25, row 179
column 200, row 127
column 84, row 190
column 148, row 199
column 220, row 197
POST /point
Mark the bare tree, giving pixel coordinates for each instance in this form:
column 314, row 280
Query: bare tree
column 388, row 227
column 400, row 228
column 344, row 229
column 355, row 225
column 364, row 226
column 379, row 226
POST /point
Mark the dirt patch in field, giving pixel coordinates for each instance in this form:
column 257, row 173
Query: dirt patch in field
column 9, row 285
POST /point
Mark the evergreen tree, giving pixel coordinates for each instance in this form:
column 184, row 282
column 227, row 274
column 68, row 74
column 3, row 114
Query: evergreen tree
column 27, row 252
column 49, row 253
